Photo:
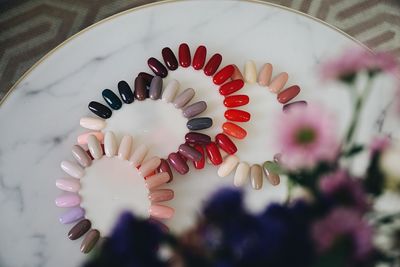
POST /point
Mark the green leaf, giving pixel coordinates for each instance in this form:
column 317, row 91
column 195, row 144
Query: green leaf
column 388, row 219
column 310, row 178
column 353, row 150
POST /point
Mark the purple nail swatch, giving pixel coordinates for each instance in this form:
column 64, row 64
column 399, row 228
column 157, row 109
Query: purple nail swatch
column 72, row 215
column 194, row 109
column 155, row 88
column 189, row 152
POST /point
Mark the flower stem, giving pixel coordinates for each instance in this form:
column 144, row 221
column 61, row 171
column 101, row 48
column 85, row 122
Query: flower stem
column 354, row 121
column 290, row 185
column 360, row 101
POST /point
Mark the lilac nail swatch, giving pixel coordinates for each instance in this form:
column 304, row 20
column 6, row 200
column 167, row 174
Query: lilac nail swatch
column 72, row 215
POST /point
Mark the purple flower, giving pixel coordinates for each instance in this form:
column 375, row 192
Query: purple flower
column 287, row 238
column 133, row 242
column 344, row 224
column 277, row 237
column 224, row 206
column 344, row 190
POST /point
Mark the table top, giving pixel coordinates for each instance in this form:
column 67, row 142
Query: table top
column 40, row 118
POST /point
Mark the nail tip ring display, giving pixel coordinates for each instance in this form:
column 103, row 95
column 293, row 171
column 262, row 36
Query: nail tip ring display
column 73, row 198
column 244, row 170
column 228, row 78
column 197, row 149
column 155, row 92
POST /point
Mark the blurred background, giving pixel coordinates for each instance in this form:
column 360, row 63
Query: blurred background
column 31, row 28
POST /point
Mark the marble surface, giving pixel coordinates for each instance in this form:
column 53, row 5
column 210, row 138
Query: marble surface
column 39, row 120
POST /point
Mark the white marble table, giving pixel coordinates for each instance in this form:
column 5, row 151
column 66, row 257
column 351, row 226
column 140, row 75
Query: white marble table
column 39, row 120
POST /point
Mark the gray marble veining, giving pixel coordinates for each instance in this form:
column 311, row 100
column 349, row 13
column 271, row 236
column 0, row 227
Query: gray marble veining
column 39, row 120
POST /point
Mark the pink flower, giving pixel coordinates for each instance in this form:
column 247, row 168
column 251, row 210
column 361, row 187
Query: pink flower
column 305, row 137
column 381, row 61
column 343, row 223
column 344, row 190
column 354, row 60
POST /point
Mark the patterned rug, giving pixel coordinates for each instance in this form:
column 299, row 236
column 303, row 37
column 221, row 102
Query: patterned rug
column 31, row 28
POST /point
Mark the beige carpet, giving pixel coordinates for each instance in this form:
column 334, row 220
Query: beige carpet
column 31, row 28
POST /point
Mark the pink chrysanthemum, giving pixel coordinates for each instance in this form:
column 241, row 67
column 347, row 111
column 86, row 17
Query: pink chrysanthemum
column 344, row 223
column 354, row 60
column 306, row 136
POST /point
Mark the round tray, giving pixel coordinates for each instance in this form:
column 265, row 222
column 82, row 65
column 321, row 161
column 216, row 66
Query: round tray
column 40, row 118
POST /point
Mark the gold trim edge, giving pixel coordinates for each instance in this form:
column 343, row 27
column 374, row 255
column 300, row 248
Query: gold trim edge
column 52, row 51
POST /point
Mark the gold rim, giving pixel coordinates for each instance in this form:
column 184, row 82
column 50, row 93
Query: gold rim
column 160, row 3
